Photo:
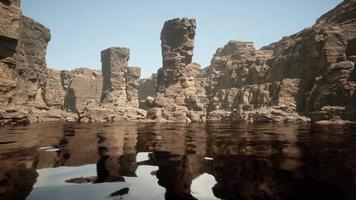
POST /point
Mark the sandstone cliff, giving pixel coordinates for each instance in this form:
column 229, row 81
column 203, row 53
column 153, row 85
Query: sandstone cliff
column 308, row 75
column 311, row 72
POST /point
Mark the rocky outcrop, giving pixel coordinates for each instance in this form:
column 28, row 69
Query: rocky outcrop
column 147, row 87
column 10, row 21
column 121, row 82
column 238, row 89
column 323, row 58
column 84, row 85
column 132, row 86
column 55, row 91
column 309, row 73
column 180, row 83
column 119, row 95
column 22, row 65
column 31, row 67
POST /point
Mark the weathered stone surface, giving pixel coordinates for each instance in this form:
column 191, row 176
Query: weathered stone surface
column 114, row 68
column 86, row 84
column 121, row 83
column 109, row 113
column 31, row 67
column 237, row 64
column 310, row 73
column 147, row 87
column 10, row 22
column 132, row 86
column 303, row 73
column 55, row 92
column 238, row 89
column 180, row 83
column 71, row 90
column 177, row 42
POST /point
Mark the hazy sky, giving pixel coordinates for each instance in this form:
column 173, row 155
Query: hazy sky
column 82, row 28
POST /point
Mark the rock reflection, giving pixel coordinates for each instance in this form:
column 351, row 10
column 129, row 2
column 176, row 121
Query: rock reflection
column 179, row 153
column 117, row 152
column 17, row 175
column 261, row 161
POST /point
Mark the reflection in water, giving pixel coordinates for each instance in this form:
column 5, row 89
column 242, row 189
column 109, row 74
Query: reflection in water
column 177, row 161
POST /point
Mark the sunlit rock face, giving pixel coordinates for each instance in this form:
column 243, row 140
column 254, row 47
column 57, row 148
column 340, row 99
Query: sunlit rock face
column 238, row 89
column 119, row 95
column 85, row 84
column 23, row 70
column 180, row 83
column 22, row 56
column 309, row 73
column 114, row 67
column 10, row 20
column 147, row 88
column 323, row 57
column 31, row 62
column 121, row 82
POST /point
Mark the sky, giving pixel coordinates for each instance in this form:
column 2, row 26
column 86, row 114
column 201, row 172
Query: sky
column 81, row 29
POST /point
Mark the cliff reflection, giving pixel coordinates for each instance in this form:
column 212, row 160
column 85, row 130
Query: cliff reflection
column 263, row 161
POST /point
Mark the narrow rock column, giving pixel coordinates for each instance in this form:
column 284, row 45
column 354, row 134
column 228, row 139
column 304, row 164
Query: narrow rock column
column 179, row 88
column 177, row 42
column 114, row 68
column 132, row 85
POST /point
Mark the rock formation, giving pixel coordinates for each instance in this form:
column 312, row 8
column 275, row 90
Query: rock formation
column 180, row 89
column 31, row 93
column 147, row 87
column 237, row 88
column 78, row 94
column 119, row 95
column 65, row 89
column 22, row 55
column 10, row 17
column 31, row 65
column 323, row 58
column 310, row 74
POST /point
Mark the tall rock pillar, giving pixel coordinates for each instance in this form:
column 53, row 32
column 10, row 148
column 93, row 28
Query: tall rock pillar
column 180, row 83
column 114, row 68
column 120, row 82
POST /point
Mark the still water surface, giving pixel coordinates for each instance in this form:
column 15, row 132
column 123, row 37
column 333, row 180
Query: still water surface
column 151, row 161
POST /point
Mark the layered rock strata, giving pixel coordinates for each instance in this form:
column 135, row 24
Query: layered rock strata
column 310, row 73
column 119, row 97
column 10, row 22
column 323, row 58
column 147, row 88
column 238, row 90
column 180, row 91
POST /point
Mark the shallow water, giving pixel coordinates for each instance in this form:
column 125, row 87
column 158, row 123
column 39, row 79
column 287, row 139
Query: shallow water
column 146, row 161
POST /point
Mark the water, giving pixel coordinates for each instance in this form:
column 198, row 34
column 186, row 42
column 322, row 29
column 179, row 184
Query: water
column 134, row 161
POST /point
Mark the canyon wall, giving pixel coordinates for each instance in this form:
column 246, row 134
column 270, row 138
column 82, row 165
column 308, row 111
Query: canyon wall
column 30, row 92
column 308, row 75
column 10, row 21
column 311, row 73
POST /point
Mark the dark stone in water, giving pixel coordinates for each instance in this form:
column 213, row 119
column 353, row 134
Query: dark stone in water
column 82, row 180
column 121, row 192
